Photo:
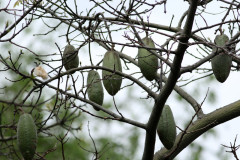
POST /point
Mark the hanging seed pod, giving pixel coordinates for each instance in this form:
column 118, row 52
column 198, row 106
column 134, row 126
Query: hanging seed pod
column 166, row 128
column 27, row 136
column 221, row 63
column 111, row 81
column 147, row 62
column 70, row 58
column 95, row 88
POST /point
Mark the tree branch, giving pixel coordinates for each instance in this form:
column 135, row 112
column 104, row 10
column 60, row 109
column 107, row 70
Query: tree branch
column 18, row 21
column 168, row 87
column 196, row 106
column 199, row 127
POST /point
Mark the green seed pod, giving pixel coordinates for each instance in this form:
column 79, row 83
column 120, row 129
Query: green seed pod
column 95, row 88
column 221, row 40
column 111, row 81
column 221, row 63
column 27, row 136
column 166, row 128
column 70, row 58
column 147, row 62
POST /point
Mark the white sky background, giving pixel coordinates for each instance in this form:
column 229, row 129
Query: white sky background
column 226, row 93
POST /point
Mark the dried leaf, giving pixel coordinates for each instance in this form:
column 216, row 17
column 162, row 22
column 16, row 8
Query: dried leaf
column 39, row 71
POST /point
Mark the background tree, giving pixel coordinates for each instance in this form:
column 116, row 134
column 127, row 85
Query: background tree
column 35, row 33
